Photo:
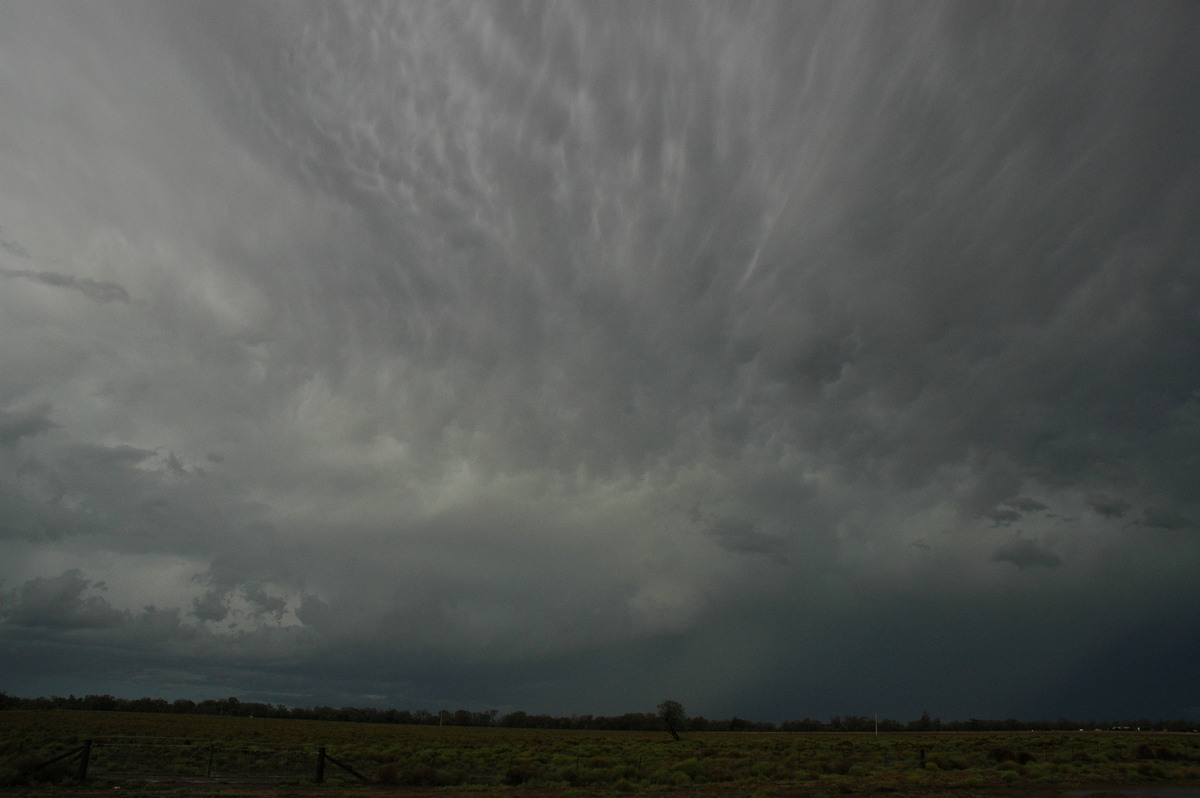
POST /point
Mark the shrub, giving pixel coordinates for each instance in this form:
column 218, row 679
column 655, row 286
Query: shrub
column 691, row 768
column 1151, row 770
column 28, row 768
column 1145, row 751
column 517, row 774
column 420, row 776
column 1008, row 755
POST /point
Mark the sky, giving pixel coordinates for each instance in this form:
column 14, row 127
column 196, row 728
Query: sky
column 782, row 359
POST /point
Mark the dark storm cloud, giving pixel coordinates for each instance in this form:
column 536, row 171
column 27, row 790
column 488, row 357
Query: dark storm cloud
column 1024, row 504
column 744, row 537
column 211, row 606
column 1165, row 519
column 59, row 603
column 1024, row 553
column 531, row 354
column 1108, row 506
column 15, row 425
column 1002, row 516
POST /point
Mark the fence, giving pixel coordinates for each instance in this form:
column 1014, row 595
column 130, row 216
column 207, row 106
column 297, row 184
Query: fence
column 189, row 759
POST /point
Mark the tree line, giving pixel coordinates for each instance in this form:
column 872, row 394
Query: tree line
column 630, row 721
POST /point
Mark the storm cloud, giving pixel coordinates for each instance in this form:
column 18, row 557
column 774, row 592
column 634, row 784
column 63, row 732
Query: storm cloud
column 566, row 356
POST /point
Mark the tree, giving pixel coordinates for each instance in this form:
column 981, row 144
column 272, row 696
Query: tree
column 672, row 715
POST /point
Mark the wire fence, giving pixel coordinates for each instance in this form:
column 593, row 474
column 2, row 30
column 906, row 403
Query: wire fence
column 182, row 759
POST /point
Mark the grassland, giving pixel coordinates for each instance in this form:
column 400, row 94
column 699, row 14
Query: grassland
column 190, row 753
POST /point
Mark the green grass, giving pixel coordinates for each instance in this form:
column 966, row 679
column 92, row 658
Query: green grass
column 129, row 746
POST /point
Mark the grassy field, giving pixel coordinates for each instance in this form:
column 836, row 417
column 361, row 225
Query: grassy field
column 156, row 752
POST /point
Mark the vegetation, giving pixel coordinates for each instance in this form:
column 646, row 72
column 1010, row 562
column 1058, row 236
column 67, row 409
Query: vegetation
column 630, row 721
column 128, row 747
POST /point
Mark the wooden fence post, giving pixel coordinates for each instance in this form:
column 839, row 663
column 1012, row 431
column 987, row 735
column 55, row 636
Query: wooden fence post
column 321, row 765
column 84, row 755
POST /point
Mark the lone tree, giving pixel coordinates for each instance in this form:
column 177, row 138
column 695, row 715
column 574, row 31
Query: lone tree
column 672, row 715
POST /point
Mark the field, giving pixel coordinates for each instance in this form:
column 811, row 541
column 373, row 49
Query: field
column 187, row 754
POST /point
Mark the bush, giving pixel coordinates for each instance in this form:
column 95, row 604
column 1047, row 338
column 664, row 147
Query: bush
column 1008, row 755
column 420, row 776
column 28, row 768
column 1151, row 770
column 517, row 774
column 571, row 775
column 691, row 768
column 387, row 774
column 1145, row 751
column 1002, row 755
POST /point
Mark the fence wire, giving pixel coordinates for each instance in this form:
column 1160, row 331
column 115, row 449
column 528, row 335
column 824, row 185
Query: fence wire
column 188, row 759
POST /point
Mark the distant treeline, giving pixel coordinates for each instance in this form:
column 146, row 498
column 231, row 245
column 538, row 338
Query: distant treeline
column 630, row 721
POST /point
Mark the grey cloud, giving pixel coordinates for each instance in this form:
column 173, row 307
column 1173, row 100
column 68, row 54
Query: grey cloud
column 264, row 603
column 174, row 465
column 1165, row 519
column 536, row 353
column 1024, row 504
column 314, row 612
column 98, row 290
column 1025, row 553
column 743, row 537
column 211, row 606
column 1002, row 516
column 13, row 247
column 87, row 456
column 15, row 425
column 845, row 334
column 59, row 603
column 1108, row 506
column 215, row 605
